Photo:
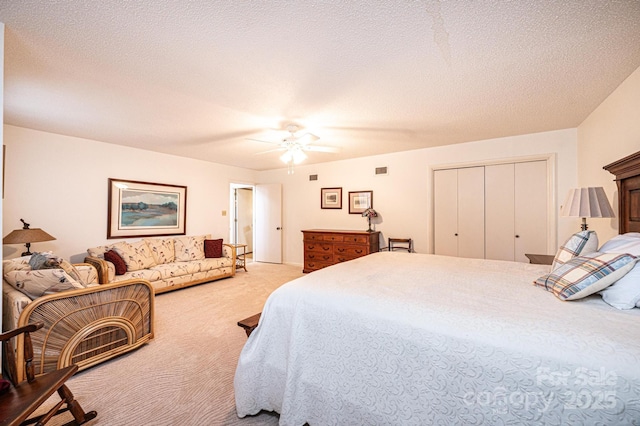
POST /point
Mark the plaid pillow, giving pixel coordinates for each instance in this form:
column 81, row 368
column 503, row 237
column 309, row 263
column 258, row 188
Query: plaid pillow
column 585, row 275
column 578, row 244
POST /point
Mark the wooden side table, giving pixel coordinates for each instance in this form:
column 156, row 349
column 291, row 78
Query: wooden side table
column 241, row 258
column 540, row 259
column 250, row 324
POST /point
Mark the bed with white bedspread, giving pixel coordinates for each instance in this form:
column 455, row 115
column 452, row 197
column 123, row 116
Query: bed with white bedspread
column 401, row 339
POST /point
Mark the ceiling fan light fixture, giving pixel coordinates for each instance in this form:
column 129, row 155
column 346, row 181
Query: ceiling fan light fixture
column 298, row 156
column 287, row 157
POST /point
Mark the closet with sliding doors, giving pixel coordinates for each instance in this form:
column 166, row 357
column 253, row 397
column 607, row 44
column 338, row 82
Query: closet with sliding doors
column 493, row 211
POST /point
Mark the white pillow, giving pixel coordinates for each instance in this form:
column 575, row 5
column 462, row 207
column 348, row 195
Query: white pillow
column 41, row 282
column 585, row 275
column 625, row 243
column 578, row 244
column 624, row 293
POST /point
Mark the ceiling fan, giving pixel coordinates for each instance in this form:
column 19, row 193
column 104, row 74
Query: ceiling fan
column 294, row 146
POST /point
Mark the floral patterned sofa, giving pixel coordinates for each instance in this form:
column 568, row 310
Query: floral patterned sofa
column 168, row 263
column 84, row 323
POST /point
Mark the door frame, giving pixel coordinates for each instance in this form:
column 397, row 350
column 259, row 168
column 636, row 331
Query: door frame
column 233, row 212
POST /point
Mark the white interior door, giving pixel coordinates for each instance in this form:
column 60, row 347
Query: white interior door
column 445, row 212
column 531, row 221
column 268, row 218
column 499, row 212
column 471, row 212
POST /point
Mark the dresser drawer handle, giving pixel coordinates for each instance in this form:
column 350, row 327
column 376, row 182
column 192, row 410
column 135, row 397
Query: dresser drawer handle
column 340, row 249
column 326, row 257
column 326, row 248
column 311, row 247
column 312, row 256
column 359, row 251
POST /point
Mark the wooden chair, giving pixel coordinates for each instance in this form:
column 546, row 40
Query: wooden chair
column 400, row 244
column 24, row 398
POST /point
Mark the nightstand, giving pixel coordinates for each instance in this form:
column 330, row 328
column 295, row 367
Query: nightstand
column 540, row 259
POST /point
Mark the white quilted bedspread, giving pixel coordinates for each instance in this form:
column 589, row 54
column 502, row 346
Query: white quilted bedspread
column 411, row 339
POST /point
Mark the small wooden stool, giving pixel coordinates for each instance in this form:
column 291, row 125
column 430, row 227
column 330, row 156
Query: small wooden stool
column 250, row 324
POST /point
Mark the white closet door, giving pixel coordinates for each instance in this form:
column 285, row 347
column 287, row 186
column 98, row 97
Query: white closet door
column 531, row 220
column 445, row 213
column 471, row 212
column 500, row 212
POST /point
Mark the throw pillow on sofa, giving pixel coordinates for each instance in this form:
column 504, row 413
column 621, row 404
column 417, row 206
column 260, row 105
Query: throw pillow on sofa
column 136, row 255
column 213, row 248
column 189, row 248
column 41, row 282
column 113, row 257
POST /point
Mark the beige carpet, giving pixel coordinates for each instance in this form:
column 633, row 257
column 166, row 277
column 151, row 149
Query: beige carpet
column 184, row 376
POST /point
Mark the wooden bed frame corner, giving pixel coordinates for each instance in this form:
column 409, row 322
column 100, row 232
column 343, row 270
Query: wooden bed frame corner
column 627, row 173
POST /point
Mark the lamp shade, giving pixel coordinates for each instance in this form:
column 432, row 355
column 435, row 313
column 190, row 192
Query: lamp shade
column 370, row 213
column 22, row 236
column 587, row 202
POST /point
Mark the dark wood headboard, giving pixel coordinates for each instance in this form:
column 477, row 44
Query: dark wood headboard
column 627, row 173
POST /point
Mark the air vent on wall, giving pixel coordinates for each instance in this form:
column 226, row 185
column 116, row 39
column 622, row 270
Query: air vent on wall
column 381, row 170
column 313, row 177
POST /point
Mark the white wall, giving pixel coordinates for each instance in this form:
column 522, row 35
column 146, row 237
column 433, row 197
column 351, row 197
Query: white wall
column 1, row 124
column 611, row 132
column 403, row 197
column 59, row 183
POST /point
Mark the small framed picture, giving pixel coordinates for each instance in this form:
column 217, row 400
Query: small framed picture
column 359, row 201
column 331, row 198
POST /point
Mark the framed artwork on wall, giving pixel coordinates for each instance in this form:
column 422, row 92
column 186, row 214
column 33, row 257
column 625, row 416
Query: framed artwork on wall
column 145, row 209
column 359, row 201
column 331, row 198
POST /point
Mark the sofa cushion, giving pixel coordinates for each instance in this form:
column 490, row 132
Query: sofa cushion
column 189, row 248
column 98, row 251
column 215, row 263
column 136, row 255
column 113, row 257
column 213, row 248
column 150, row 275
column 41, row 282
column 16, row 264
column 162, row 250
column 177, row 269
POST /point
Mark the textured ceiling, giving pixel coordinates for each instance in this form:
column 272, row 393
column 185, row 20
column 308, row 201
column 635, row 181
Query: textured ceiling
column 195, row 78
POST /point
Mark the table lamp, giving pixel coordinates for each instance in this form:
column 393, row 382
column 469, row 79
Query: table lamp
column 587, row 202
column 369, row 213
column 27, row 236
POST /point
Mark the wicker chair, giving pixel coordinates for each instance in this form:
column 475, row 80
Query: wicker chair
column 87, row 326
column 21, row 400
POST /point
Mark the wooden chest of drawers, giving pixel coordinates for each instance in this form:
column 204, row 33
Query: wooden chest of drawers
column 326, row 247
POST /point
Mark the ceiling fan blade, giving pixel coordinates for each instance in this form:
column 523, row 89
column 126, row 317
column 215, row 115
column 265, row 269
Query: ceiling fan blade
column 316, row 148
column 271, row 150
column 260, row 140
column 307, row 138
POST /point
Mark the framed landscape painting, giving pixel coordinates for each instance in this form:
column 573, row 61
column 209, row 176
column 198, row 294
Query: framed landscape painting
column 331, row 198
column 145, row 209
